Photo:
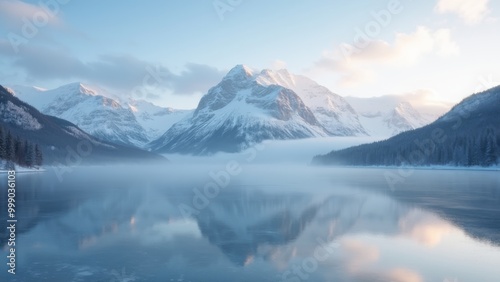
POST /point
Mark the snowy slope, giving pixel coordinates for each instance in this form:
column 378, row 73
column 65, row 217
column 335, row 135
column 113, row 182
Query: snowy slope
column 19, row 116
column 132, row 123
column 239, row 112
column 331, row 110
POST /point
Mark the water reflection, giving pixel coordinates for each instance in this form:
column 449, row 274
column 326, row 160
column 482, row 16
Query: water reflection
column 325, row 226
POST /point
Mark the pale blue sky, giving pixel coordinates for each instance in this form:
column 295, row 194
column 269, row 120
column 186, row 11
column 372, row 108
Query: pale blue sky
column 431, row 46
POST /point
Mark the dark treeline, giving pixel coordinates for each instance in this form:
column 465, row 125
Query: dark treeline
column 15, row 150
column 479, row 149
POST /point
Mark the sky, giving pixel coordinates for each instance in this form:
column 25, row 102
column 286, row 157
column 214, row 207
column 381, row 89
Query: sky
column 172, row 52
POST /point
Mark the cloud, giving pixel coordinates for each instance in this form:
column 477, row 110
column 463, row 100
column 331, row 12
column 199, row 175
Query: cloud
column 357, row 65
column 15, row 13
column 471, row 11
column 43, row 63
column 119, row 72
column 427, row 101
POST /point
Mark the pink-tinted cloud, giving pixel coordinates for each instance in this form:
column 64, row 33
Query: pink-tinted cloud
column 358, row 65
column 471, row 11
column 15, row 14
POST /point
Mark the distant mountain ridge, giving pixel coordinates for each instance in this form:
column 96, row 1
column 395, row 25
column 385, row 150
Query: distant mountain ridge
column 95, row 111
column 390, row 115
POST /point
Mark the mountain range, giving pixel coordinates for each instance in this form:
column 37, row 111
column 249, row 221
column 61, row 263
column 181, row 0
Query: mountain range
column 249, row 106
column 131, row 122
column 245, row 108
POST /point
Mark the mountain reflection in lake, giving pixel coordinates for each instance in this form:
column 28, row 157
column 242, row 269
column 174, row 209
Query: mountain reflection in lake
column 268, row 224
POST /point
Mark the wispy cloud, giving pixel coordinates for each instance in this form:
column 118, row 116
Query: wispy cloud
column 471, row 11
column 119, row 72
column 360, row 65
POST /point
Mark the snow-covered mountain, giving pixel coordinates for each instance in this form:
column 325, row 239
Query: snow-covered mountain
column 390, row 115
column 238, row 112
column 59, row 138
column 132, row 123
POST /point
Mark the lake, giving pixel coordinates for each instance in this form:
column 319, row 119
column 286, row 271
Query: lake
column 233, row 221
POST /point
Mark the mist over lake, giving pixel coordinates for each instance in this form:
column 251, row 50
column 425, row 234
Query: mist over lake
column 256, row 222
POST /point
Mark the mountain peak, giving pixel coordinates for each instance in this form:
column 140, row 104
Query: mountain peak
column 239, row 72
column 78, row 87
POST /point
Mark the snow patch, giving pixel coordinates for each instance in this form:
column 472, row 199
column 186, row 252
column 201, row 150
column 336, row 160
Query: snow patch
column 19, row 116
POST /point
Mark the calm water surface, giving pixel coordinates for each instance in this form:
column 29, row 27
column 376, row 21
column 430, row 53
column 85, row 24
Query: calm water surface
column 260, row 223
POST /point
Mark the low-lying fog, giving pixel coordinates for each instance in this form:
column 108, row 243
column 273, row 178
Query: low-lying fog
column 261, row 215
column 289, row 151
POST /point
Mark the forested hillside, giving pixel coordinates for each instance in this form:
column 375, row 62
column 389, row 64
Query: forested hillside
column 468, row 135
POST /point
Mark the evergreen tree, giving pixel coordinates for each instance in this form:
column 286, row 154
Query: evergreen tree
column 491, row 149
column 9, row 147
column 3, row 153
column 19, row 151
column 29, row 154
column 38, row 156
